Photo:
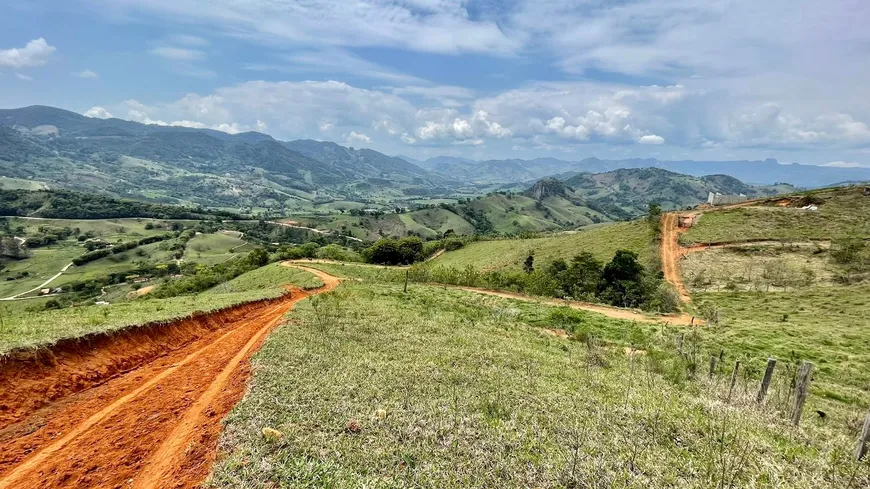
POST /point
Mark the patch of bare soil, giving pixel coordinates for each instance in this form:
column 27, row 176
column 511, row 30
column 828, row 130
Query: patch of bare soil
column 139, row 408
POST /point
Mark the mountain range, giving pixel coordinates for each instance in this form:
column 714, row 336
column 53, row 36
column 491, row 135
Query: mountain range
column 764, row 172
column 46, row 147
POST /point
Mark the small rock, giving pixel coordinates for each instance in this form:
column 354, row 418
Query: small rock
column 353, row 426
column 381, row 413
column 272, row 435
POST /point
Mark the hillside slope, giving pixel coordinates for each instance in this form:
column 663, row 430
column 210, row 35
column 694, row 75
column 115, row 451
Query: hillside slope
column 191, row 166
column 766, row 172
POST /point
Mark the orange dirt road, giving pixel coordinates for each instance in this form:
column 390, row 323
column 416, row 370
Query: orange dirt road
column 154, row 424
column 670, row 254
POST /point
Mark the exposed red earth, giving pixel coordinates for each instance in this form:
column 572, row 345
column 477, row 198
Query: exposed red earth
column 139, row 408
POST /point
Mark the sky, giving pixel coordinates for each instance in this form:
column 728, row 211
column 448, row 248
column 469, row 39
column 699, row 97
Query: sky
column 482, row 79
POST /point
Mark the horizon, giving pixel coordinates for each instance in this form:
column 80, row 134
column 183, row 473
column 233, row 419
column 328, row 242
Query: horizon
column 686, row 80
column 412, row 160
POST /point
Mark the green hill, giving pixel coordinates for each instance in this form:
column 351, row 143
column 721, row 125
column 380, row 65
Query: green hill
column 194, row 166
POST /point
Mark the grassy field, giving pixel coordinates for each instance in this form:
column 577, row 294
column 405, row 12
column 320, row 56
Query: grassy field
column 601, row 241
column 112, row 230
column 269, row 277
column 842, row 213
column 440, row 388
column 25, row 324
column 150, row 253
column 7, row 183
column 43, row 264
column 214, row 248
column 827, row 325
column 758, row 267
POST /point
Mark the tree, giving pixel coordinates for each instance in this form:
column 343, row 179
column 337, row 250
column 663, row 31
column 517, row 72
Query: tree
column 584, row 275
column 622, row 281
column 529, row 263
column 654, row 217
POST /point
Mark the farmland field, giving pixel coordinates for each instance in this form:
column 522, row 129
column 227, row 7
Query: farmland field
column 214, row 248
column 827, row 325
column 601, row 241
column 841, row 213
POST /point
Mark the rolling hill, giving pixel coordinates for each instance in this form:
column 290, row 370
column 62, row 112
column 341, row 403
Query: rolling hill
column 766, row 172
column 194, row 166
column 549, row 205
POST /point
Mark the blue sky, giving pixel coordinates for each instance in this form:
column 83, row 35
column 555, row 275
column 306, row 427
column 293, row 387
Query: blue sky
column 672, row 79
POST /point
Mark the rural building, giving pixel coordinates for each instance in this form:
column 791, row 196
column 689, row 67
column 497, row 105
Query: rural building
column 715, row 198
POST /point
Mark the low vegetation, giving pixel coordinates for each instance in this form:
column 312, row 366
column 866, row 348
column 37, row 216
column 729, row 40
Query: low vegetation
column 63, row 204
column 443, row 388
column 841, row 213
column 37, row 323
column 509, row 254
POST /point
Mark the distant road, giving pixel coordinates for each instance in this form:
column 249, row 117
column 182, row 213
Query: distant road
column 318, row 231
column 44, row 284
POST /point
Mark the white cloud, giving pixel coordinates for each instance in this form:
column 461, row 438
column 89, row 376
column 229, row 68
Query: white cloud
column 847, row 164
column 651, row 139
column 189, row 40
column 99, row 113
column 190, row 124
column 178, row 54
column 547, row 117
column 87, row 74
column 326, row 126
column 356, row 138
column 35, row 53
column 432, row 26
column 334, row 61
column 22, row 76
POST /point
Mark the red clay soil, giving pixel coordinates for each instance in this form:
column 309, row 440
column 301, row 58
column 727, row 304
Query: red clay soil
column 140, row 409
column 671, row 253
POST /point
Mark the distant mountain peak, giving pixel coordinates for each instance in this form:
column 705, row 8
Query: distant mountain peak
column 547, row 187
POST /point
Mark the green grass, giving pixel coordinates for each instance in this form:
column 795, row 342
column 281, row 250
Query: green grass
column 269, row 277
column 151, row 253
column 214, row 248
column 447, row 389
column 112, row 230
column 601, row 241
column 26, row 325
column 843, row 214
column 7, row 183
column 758, row 267
column 441, row 221
column 43, row 264
column 826, row 325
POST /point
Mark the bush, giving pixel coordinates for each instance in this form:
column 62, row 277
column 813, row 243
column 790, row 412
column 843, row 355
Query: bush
column 388, row 251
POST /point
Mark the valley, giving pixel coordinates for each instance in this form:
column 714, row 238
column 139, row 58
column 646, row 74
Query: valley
column 258, row 313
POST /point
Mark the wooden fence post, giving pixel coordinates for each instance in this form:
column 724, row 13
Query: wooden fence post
column 863, row 440
column 802, row 386
column 713, row 360
column 680, row 343
column 733, row 379
column 406, row 281
column 765, row 382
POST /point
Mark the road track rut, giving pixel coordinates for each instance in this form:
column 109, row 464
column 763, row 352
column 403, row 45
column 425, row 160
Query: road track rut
column 153, row 425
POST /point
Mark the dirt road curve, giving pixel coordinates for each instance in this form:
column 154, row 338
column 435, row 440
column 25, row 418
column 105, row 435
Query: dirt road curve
column 611, row 312
column 146, row 424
